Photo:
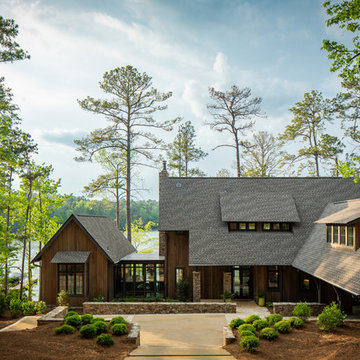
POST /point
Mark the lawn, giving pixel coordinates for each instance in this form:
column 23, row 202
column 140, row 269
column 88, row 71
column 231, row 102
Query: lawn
column 307, row 343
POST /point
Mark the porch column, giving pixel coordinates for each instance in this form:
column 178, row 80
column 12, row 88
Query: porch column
column 196, row 286
column 227, row 282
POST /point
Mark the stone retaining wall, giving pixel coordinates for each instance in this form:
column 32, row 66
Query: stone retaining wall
column 228, row 336
column 55, row 315
column 285, row 309
column 107, row 308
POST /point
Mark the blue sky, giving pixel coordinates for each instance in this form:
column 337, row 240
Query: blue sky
column 273, row 47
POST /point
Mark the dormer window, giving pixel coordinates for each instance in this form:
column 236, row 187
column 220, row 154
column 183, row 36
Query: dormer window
column 259, row 226
column 340, row 235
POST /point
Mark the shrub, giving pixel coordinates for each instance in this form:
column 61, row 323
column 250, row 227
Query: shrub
column 250, row 319
column 330, row 318
column 119, row 329
column 3, row 305
column 182, row 290
column 269, row 304
column 41, row 307
column 227, row 296
column 63, row 298
column 247, row 327
column 86, row 319
column 99, row 298
column 302, row 311
column 274, row 318
column 70, row 313
column 269, row 333
column 12, row 294
column 88, row 331
column 100, row 326
column 105, row 340
column 73, row 320
column 28, row 308
column 117, row 320
column 245, row 333
column 295, row 322
column 249, row 342
column 65, row 329
column 98, row 319
column 282, row 326
column 235, row 323
column 260, row 324
column 15, row 308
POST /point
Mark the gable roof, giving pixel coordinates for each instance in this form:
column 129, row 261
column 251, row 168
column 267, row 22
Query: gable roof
column 194, row 205
column 346, row 215
column 318, row 258
column 102, row 232
column 258, row 207
column 70, row 257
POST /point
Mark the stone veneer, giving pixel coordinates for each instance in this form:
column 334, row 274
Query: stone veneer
column 285, row 309
column 107, row 308
column 227, row 282
column 162, row 243
column 196, row 286
column 55, row 315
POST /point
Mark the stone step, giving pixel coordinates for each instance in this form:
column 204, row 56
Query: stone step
column 162, row 351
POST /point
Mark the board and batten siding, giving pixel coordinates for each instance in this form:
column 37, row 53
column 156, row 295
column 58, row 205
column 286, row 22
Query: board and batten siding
column 100, row 270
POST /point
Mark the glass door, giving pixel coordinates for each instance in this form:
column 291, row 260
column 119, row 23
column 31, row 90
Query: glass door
column 242, row 282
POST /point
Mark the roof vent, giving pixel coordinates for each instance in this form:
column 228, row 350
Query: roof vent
column 178, row 185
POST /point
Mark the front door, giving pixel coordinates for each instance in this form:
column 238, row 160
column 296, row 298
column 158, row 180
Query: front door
column 242, row 282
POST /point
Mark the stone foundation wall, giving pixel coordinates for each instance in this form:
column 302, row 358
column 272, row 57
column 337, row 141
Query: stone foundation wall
column 107, row 308
column 285, row 309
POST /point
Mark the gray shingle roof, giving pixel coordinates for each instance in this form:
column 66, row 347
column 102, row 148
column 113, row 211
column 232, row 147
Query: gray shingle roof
column 344, row 216
column 193, row 204
column 259, row 206
column 70, row 257
column 103, row 232
column 143, row 257
column 336, row 266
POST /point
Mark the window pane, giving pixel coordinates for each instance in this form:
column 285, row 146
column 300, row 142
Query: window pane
column 139, row 275
column 273, row 279
column 62, row 282
column 285, row 226
column 252, row 226
column 62, row 267
column 79, row 283
column 242, row 226
column 160, row 272
column 276, row 226
column 266, row 226
column 342, row 235
column 179, row 275
column 350, row 236
column 71, row 283
column 335, row 234
column 232, row 226
column 129, row 273
column 306, row 284
column 328, row 233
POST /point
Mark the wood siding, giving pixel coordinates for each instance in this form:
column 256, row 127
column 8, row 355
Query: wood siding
column 100, row 270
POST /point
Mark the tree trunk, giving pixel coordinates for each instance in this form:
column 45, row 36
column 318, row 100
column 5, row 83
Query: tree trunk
column 316, row 155
column 117, row 200
column 128, row 182
column 237, row 155
column 6, row 235
column 29, row 260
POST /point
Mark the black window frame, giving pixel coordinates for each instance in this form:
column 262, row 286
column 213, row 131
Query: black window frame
column 302, row 277
column 268, row 271
column 67, row 272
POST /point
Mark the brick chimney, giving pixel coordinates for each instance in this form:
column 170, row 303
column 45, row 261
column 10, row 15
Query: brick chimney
column 163, row 172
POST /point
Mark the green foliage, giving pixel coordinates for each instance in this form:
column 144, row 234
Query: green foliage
column 274, row 318
column 235, row 323
column 119, row 329
column 73, row 320
column 63, row 298
column 86, row 319
column 15, row 308
column 140, row 234
column 100, row 326
column 227, row 295
column 330, row 318
column 269, row 304
column 117, row 320
column 246, row 327
column 269, row 333
column 70, row 313
column 152, row 299
column 182, row 151
column 3, row 305
column 99, row 298
column 245, row 333
column 124, row 299
column 105, row 340
column 302, row 311
column 282, row 326
column 28, row 308
column 41, row 307
column 88, row 331
column 251, row 318
column 98, row 319
column 249, row 342
column 260, row 324
column 295, row 322
column 64, row 329
column 182, row 290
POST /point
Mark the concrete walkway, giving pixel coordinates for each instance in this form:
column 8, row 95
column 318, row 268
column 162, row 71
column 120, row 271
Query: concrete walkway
column 27, row 322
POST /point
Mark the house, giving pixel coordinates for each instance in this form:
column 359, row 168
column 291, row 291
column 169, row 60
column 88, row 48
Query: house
column 291, row 238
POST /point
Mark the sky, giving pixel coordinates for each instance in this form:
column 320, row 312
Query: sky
column 271, row 46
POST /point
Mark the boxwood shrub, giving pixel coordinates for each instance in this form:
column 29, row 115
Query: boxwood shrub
column 245, row 333
column 70, row 313
column 235, row 323
column 98, row 319
column 302, row 311
column 64, row 329
column 88, row 331
column 249, row 342
column 247, row 327
column 269, row 333
column 100, row 326
column 260, row 324
column 330, row 318
column 73, row 320
column 295, row 322
column 86, row 319
column 105, row 340
column 250, row 319
column 282, row 326
column 117, row 320
column 274, row 318
column 119, row 329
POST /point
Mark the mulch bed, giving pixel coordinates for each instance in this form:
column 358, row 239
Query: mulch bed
column 41, row 343
column 6, row 319
column 307, row 343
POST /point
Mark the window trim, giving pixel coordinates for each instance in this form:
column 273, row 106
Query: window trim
column 268, row 270
column 338, row 244
column 67, row 272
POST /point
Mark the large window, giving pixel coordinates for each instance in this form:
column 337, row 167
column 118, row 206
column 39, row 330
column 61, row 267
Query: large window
column 340, row 235
column 71, row 278
column 273, row 277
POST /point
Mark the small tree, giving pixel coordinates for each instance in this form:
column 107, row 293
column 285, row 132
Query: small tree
column 233, row 111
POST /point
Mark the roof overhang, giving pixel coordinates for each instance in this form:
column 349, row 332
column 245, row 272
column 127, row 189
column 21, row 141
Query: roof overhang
column 350, row 214
column 70, row 257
